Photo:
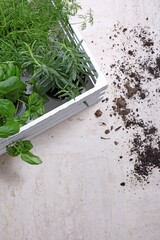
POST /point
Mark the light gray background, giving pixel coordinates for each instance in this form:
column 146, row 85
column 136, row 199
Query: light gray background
column 76, row 194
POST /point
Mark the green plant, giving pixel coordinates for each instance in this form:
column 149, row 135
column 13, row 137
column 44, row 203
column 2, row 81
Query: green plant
column 8, row 123
column 22, row 148
column 86, row 18
column 34, row 107
column 64, row 67
column 11, row 87
column 23, row 21
column 34, row 34
column 12, row 92
column 35, row 38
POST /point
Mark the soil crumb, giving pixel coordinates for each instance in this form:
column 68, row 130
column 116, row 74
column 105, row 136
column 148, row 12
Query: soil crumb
column 98, row 113
column 122, row 184
column 121, row 102
column 130, row 90
column 107, row 131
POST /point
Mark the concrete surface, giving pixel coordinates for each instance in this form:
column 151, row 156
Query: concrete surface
column 76, row 193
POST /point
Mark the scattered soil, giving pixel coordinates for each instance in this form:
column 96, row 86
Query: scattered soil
column 136, row 68
column 147, row 150
column 138, row 65
column 133, row 122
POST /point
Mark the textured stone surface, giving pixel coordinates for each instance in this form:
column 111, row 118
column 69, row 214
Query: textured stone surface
column 84, row 190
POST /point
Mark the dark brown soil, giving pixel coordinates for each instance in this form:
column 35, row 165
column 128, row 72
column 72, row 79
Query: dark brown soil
column 130, row 90
column 147, row 151
column 122, row 184
column 107, row 131
column 121, row 102
column 131, row 73
column 98, row 113
column 121, row 106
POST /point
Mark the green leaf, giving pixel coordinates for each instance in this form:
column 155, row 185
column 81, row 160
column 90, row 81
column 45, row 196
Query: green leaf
column 10, row 128
column 2, row 75
column 14, row 95
column 31, row 158
column 10, row 70
column 34, row 99
column 35, row 105
column 26, row 145
column 7, row 108
column 24, row 118
column 11, row 84
column 12, row 150
column 18, row 147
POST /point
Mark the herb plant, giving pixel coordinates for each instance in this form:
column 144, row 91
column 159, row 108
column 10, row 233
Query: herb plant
column 64, row 67
column 12, row 92
column 22, row 148
column 36, row 40
column 8, row 124
column 11, row 88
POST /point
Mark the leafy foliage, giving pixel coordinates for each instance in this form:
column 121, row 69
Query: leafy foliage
column 11, row 93
column 88, row 17
column 35, row 37
column 34, row 34
column 8, row 125
column 23, row 21
column 7, row 108
column 63, row 68
column 22, row 148
column 35, row 106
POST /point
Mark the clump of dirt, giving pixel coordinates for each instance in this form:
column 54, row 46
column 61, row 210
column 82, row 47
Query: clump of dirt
column 147, row 42
column 147, row 151
column 121, row 106
column 130, row 90
column 133, row 122
column 98, row 113
column 131, row 53
column 122, row 184
column 124, row 112
column 107, row 131
column 142, row 95
column 151, row 130
column 154, row 68
column 121, row 102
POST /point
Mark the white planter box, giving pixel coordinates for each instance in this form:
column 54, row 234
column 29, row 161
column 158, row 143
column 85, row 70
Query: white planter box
column 95, row 91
